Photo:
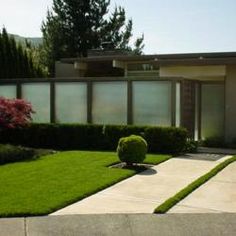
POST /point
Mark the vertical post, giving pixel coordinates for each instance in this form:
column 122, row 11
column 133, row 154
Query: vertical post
column 129, row 102
column 173, row 103
column 225, row 97
column 126, row 70
column 200, row 111
column 18, row 90
column 89, row 102
column 178, row 104
column 196, row 109
column 181, row 103
column 52, row 102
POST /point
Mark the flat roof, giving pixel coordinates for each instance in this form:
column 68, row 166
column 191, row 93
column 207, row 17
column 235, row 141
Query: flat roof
column 164, row 59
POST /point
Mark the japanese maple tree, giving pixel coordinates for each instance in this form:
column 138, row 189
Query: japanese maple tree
column 14, row 113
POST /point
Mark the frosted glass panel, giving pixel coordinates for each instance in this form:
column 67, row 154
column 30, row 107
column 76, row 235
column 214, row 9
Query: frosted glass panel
column 71, row 102
column 109, row 103
column 212, row 110
column 39, row 95
column 177, row 104
column 152, row 103
column 196, row 123
column 8, row 91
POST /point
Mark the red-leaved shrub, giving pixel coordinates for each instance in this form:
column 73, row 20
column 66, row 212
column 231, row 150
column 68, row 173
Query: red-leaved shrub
column 14, row 113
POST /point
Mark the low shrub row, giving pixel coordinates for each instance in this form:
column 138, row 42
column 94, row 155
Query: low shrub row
column 94, row 137
column 216, row 142
column 10, row 153
column 191, row 146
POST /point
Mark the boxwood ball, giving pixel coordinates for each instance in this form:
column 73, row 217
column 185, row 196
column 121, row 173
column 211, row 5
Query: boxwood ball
column 132, row 149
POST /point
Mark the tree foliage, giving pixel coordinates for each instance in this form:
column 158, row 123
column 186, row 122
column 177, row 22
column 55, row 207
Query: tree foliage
column 74, row 26
column 14, row 113
column 16, row 62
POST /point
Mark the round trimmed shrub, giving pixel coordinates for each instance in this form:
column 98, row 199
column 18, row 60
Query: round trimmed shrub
column 132, row 149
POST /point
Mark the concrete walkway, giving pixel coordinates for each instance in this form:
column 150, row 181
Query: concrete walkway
column 216, row 196
column 217, row 150
column 143, row 192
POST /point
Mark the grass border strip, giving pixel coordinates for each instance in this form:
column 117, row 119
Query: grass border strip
column 169, row 203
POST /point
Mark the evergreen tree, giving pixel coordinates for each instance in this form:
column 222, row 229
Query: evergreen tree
column 1, row 57
column 6, row 53
column 16, row 62
column 20, row 64
column 74, row 26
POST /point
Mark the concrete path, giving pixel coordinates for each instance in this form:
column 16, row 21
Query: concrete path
column 143, row 192
column 216, row 196
column 217, row 150
column 127, row 225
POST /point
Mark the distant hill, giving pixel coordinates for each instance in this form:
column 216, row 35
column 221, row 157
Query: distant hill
column 34, row 41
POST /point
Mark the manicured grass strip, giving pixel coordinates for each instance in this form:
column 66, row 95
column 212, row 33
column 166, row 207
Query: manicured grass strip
column 163, row 208
column 42, row 186
column 154, row 159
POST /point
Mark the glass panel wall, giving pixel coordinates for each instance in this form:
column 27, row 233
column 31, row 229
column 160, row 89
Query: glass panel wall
column 197, row 109
column 71, row 102
column 177, row 106
column 8, row 91
column 212, row 103
column 109, row 103
column 152, row 103
column 39, row 95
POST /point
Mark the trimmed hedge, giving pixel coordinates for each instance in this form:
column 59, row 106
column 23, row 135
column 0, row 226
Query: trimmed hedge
column 215, row 142
column 94, row 137
column 113, row 133
column 170, row 140
column 54, row 136
column 10, row 153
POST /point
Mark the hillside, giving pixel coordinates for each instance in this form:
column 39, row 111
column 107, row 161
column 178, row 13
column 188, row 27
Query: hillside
column 34, row 41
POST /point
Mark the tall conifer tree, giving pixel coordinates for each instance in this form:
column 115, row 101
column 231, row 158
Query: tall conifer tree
column 15, row 62
column 74, row 26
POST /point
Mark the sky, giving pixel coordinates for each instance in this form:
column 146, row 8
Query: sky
column 169, row 26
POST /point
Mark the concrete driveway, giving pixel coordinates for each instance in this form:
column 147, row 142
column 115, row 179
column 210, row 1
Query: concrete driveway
column 216, row 196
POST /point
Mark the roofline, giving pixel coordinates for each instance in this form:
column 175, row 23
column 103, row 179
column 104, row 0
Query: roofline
column 178, row 57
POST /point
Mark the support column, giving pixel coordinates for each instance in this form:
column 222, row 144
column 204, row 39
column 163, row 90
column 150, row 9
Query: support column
column 230, row 103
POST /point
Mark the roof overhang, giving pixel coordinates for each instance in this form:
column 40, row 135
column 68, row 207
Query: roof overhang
column 216, row 58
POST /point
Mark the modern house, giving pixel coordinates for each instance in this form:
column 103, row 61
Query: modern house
column 196, row 91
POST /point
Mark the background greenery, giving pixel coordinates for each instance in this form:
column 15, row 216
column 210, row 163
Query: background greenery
column 17, row 61
column 72, row 27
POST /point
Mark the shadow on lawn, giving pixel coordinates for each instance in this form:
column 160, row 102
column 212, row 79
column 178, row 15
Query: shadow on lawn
column 141, row 169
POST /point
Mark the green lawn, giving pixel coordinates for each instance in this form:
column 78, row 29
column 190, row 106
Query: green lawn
column 51, row 182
